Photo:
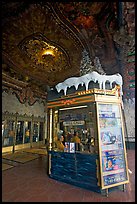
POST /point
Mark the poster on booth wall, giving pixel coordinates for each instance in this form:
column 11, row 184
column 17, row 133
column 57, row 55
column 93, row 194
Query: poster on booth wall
column 72, row 147
column 111, row 146
column 69, row 147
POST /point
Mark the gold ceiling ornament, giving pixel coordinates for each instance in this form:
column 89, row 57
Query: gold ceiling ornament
column 42, row 52
column 26, row 78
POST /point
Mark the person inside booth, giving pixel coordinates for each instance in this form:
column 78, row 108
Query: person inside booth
column 76, row 140
column 59, row 141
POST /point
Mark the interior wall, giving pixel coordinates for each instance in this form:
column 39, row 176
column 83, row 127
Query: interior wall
column 129, row 110
column 11, row 104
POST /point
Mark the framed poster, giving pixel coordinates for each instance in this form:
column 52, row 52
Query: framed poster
column 72, row 147
column 69, row 147
column 112, row 151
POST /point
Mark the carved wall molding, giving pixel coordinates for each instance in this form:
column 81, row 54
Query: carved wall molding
column 23, row 91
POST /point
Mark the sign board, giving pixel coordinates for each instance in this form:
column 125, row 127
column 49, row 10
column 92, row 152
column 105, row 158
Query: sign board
column 112, row 152
column 72, row 123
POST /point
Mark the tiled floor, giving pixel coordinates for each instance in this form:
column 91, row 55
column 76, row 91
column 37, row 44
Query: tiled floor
column 29, row 182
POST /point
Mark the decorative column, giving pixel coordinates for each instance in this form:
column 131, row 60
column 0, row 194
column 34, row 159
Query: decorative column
column 45, row 128
column 129, row 72
column 129, row 77
column 14, row 138
column 129, row 69
column 50, row 129
column 31, row 132
column 50, row 139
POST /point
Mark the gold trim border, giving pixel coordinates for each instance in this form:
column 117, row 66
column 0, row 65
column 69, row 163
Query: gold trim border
column 86, row 97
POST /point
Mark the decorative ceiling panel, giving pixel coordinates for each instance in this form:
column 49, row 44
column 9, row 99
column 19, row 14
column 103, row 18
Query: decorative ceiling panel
column 28, row 36
column 44, row 54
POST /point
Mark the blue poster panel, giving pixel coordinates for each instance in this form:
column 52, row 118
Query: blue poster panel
column 112, row 149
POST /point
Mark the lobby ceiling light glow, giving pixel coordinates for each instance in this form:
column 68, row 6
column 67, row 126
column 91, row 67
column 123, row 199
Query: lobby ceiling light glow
column 48, row 52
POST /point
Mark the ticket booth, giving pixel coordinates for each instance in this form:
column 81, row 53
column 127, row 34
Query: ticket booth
column 86, row 132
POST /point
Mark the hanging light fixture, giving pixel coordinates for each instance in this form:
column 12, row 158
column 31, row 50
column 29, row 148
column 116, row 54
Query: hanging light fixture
column 48, row 52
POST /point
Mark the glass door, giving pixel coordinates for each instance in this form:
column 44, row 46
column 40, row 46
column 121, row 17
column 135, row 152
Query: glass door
column 41, row 129
column 19, row 132
column 36, row 132
column 27, row 126
column 8, row 133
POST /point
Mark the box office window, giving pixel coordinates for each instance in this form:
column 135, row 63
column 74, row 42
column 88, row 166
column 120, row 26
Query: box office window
column 76, row 124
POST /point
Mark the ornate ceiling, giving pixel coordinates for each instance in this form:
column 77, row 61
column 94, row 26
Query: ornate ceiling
column 27, row 35
column 42, row 43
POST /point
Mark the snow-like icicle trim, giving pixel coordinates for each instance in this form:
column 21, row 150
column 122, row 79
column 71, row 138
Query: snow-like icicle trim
column 85, row 80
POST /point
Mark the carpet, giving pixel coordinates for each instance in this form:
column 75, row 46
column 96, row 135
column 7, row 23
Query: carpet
column 6, row 166
column 21, row 157
column 36, row 151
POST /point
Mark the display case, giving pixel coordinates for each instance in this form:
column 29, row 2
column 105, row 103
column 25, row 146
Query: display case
column 86, row 134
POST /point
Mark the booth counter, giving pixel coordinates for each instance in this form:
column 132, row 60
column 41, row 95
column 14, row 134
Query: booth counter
column 79, row 169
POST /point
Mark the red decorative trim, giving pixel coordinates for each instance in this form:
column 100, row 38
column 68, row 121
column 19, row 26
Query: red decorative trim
column 68, row 102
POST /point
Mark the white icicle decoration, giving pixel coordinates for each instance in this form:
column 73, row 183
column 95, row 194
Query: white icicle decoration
column 85, row 80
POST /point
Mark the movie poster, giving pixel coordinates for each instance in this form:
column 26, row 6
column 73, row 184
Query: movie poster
column 69, row 147
column 111, row 145
column 72, row 147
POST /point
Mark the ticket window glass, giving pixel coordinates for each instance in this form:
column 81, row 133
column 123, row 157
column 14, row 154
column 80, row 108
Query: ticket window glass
column 8, row 133
column 36, row 132
column 27, row 126
column 77, row 125
column 20, row 132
